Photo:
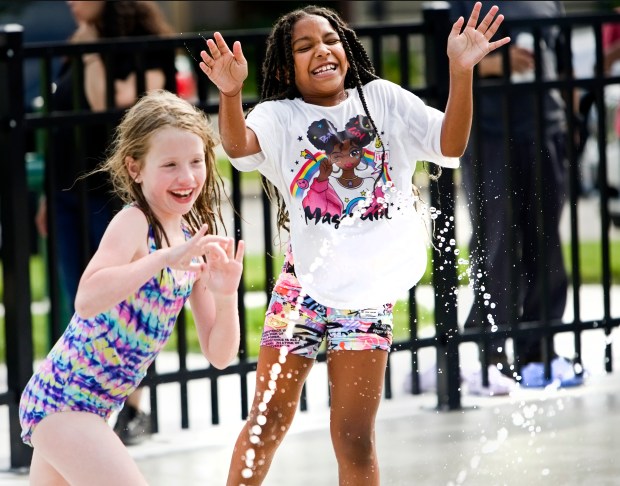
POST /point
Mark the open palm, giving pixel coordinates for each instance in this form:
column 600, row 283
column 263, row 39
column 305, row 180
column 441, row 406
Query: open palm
column 225, row 68
column 467, row 48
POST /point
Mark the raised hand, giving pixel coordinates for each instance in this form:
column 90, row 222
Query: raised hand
column 325, row 169
column 225, row 68
column 467, row 48
column 222, row 271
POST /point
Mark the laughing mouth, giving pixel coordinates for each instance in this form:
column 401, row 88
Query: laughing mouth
column 325, row 68
column 182, row 194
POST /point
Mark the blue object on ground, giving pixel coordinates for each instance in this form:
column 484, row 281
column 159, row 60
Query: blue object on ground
column 563, row 374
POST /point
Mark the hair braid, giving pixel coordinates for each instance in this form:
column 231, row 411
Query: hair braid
column 359, row 86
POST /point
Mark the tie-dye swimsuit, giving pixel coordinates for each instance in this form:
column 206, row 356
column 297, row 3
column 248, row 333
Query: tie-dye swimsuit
column 98, row 362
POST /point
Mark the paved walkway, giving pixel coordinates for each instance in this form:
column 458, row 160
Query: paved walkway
column 554, row 437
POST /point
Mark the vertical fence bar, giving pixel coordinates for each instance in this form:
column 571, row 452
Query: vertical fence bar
column 573, row 184
column 243, row 345
column 542, row 218
column 182, row 349
column 444, row 281
column 15, row 250
column 604, row 194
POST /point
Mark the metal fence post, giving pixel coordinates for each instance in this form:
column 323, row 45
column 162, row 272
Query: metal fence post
column 15, row 250
column 437, row 23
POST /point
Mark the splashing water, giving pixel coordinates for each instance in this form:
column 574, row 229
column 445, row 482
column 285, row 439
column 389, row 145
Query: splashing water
column 190, row 52
column 274, row 373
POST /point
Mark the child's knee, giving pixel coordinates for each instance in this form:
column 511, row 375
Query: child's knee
column 358, row 447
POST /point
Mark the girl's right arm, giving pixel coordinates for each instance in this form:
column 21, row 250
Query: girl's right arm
column 227, row 70
column 122, row 262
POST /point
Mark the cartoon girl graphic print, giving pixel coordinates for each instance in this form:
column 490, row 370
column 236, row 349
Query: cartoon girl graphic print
column 345, row 173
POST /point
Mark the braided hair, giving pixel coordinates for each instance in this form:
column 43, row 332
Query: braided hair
column 278, row 72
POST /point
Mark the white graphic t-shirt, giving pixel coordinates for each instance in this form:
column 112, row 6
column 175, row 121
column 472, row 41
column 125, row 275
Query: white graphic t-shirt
column 356, row 237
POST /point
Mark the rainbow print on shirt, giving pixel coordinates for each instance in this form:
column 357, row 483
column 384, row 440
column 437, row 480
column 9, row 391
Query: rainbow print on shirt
column 302, row 180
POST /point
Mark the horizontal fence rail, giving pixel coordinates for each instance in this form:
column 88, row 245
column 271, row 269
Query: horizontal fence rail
column 418, row 52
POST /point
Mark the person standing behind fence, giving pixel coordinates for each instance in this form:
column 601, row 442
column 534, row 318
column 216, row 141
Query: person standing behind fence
column 611, row 55
column 158, row 251
column 99, row 20
column 494, row 251
column 324, row 123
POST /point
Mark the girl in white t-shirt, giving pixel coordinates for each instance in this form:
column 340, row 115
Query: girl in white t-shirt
column 339, row 145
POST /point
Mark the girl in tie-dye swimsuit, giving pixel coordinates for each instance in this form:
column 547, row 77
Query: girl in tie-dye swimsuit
column 155, row 255
column 98, row 362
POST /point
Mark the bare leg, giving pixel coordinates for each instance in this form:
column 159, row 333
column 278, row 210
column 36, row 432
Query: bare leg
column 279, row 413
column 43, row 474
column 81, row 448
column 135, row 399
column 356, row 383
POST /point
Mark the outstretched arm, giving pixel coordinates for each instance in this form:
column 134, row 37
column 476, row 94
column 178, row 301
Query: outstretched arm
column 465, row 50
column 228, row 69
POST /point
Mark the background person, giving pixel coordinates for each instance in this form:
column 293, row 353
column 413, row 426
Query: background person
column 492, row 255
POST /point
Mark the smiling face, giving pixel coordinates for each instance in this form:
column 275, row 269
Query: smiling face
column 320, row 61
column 172, row 173
column 346, row 155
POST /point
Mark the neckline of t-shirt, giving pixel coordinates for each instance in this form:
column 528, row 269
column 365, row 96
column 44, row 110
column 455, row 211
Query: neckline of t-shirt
column 351, row 92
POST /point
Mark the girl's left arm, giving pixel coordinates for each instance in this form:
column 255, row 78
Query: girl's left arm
column 465, row 50
column 214, row 303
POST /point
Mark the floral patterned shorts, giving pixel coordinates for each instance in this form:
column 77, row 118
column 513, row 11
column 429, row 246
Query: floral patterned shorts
column 299, row 323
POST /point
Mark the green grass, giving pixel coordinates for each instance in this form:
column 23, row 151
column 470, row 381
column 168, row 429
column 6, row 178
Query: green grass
column 591, row 261
column 590, row 268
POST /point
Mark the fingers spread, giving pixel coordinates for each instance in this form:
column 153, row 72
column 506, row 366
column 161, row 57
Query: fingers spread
column 457, row 26
column 221, row 43
column 240, row 251
column 473, row 18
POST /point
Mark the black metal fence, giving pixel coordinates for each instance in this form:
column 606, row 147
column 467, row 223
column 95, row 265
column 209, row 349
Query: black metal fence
column 400, row 42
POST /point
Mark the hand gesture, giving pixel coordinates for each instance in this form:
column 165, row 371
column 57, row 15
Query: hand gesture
column 222, row 271
column 467, row 48
column 225, row 68
column 181, row 257
column 325, row 170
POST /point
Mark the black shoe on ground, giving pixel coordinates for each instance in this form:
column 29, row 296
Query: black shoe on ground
column 132, row 425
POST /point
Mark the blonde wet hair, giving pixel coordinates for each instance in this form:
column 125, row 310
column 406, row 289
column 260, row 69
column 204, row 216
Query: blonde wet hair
column 156, row 110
